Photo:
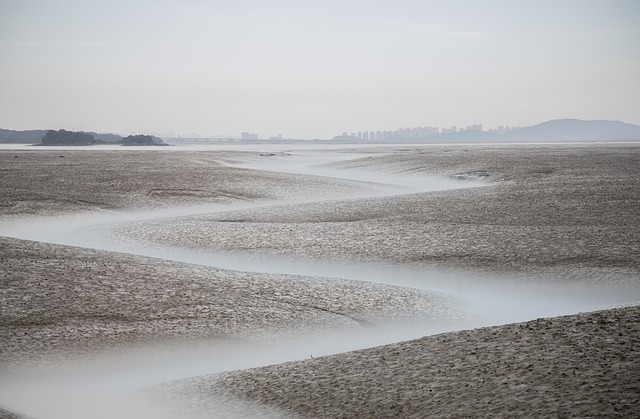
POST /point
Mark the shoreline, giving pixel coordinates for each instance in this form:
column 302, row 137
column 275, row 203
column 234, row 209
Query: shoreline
column 592, row 190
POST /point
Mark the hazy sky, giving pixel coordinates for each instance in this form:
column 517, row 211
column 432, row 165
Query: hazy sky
column 313, row 69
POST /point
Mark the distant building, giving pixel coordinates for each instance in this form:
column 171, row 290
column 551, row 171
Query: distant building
column 249, row 136
column 414, row 133
column 449, row 130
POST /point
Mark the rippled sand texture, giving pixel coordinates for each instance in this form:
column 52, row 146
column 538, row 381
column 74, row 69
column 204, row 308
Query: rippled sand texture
column 46, row 182
column 576, row 366
column 59, row 300
column 564, row 211
column 569, row 212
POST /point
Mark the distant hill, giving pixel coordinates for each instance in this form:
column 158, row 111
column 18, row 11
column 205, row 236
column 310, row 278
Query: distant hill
column 35, row 136
column 555, row 130
column 142, row 140
column 64, row 137
column 576, row 130
column 107, row 138
column 21, row 137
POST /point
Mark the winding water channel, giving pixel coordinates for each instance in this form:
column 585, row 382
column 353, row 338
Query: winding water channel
column 490, row 300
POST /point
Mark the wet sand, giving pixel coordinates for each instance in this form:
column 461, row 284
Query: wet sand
column 559, row 211
column 60, row 300
column 43, row 182
column 564, row 211
column 576, row 366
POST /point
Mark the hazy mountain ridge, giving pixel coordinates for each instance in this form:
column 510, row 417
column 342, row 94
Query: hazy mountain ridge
column 553, row 130
column 576, row 130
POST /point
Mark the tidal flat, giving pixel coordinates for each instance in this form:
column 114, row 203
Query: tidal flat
column 294, row 260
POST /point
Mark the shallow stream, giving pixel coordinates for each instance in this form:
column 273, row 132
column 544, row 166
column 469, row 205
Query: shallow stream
column 100, row 392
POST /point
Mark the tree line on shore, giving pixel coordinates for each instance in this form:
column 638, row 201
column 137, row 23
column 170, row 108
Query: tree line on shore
column 64, row 137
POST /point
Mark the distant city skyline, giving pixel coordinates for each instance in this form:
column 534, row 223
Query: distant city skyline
column 307, row 69
column 421, row 132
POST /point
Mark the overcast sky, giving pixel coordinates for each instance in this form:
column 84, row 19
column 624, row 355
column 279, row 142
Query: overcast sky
column 313, row 69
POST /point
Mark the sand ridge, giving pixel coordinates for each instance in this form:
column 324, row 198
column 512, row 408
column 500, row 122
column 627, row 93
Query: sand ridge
column 565, row 211
column 58, row 299
column 562, row 211
column 583, row 365
column 46, row 182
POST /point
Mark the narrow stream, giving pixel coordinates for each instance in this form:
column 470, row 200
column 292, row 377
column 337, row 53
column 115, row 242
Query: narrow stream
column 97, row 392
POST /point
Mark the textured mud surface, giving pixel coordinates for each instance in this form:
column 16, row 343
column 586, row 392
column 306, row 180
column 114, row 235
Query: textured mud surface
column 46, row 182
column 568, row 212
column 576, row 366
column 6, row 414
column 58, row 299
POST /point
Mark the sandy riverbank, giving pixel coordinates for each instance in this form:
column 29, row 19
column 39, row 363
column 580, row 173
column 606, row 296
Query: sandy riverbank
column 584, row 365
column 564, row 211
column 560, row 211
column 45, row 182
column 58, row 300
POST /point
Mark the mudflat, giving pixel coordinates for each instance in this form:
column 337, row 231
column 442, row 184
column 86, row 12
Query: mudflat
column 44, row 182
column 60, row 301
column 567, row 212
column 575, row 366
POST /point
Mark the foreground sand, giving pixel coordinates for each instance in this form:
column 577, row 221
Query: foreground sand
column 584, row 365
column 60, row 300
column 568, row 212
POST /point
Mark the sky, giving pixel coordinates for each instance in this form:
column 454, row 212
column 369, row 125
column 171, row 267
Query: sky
column 314, row 69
